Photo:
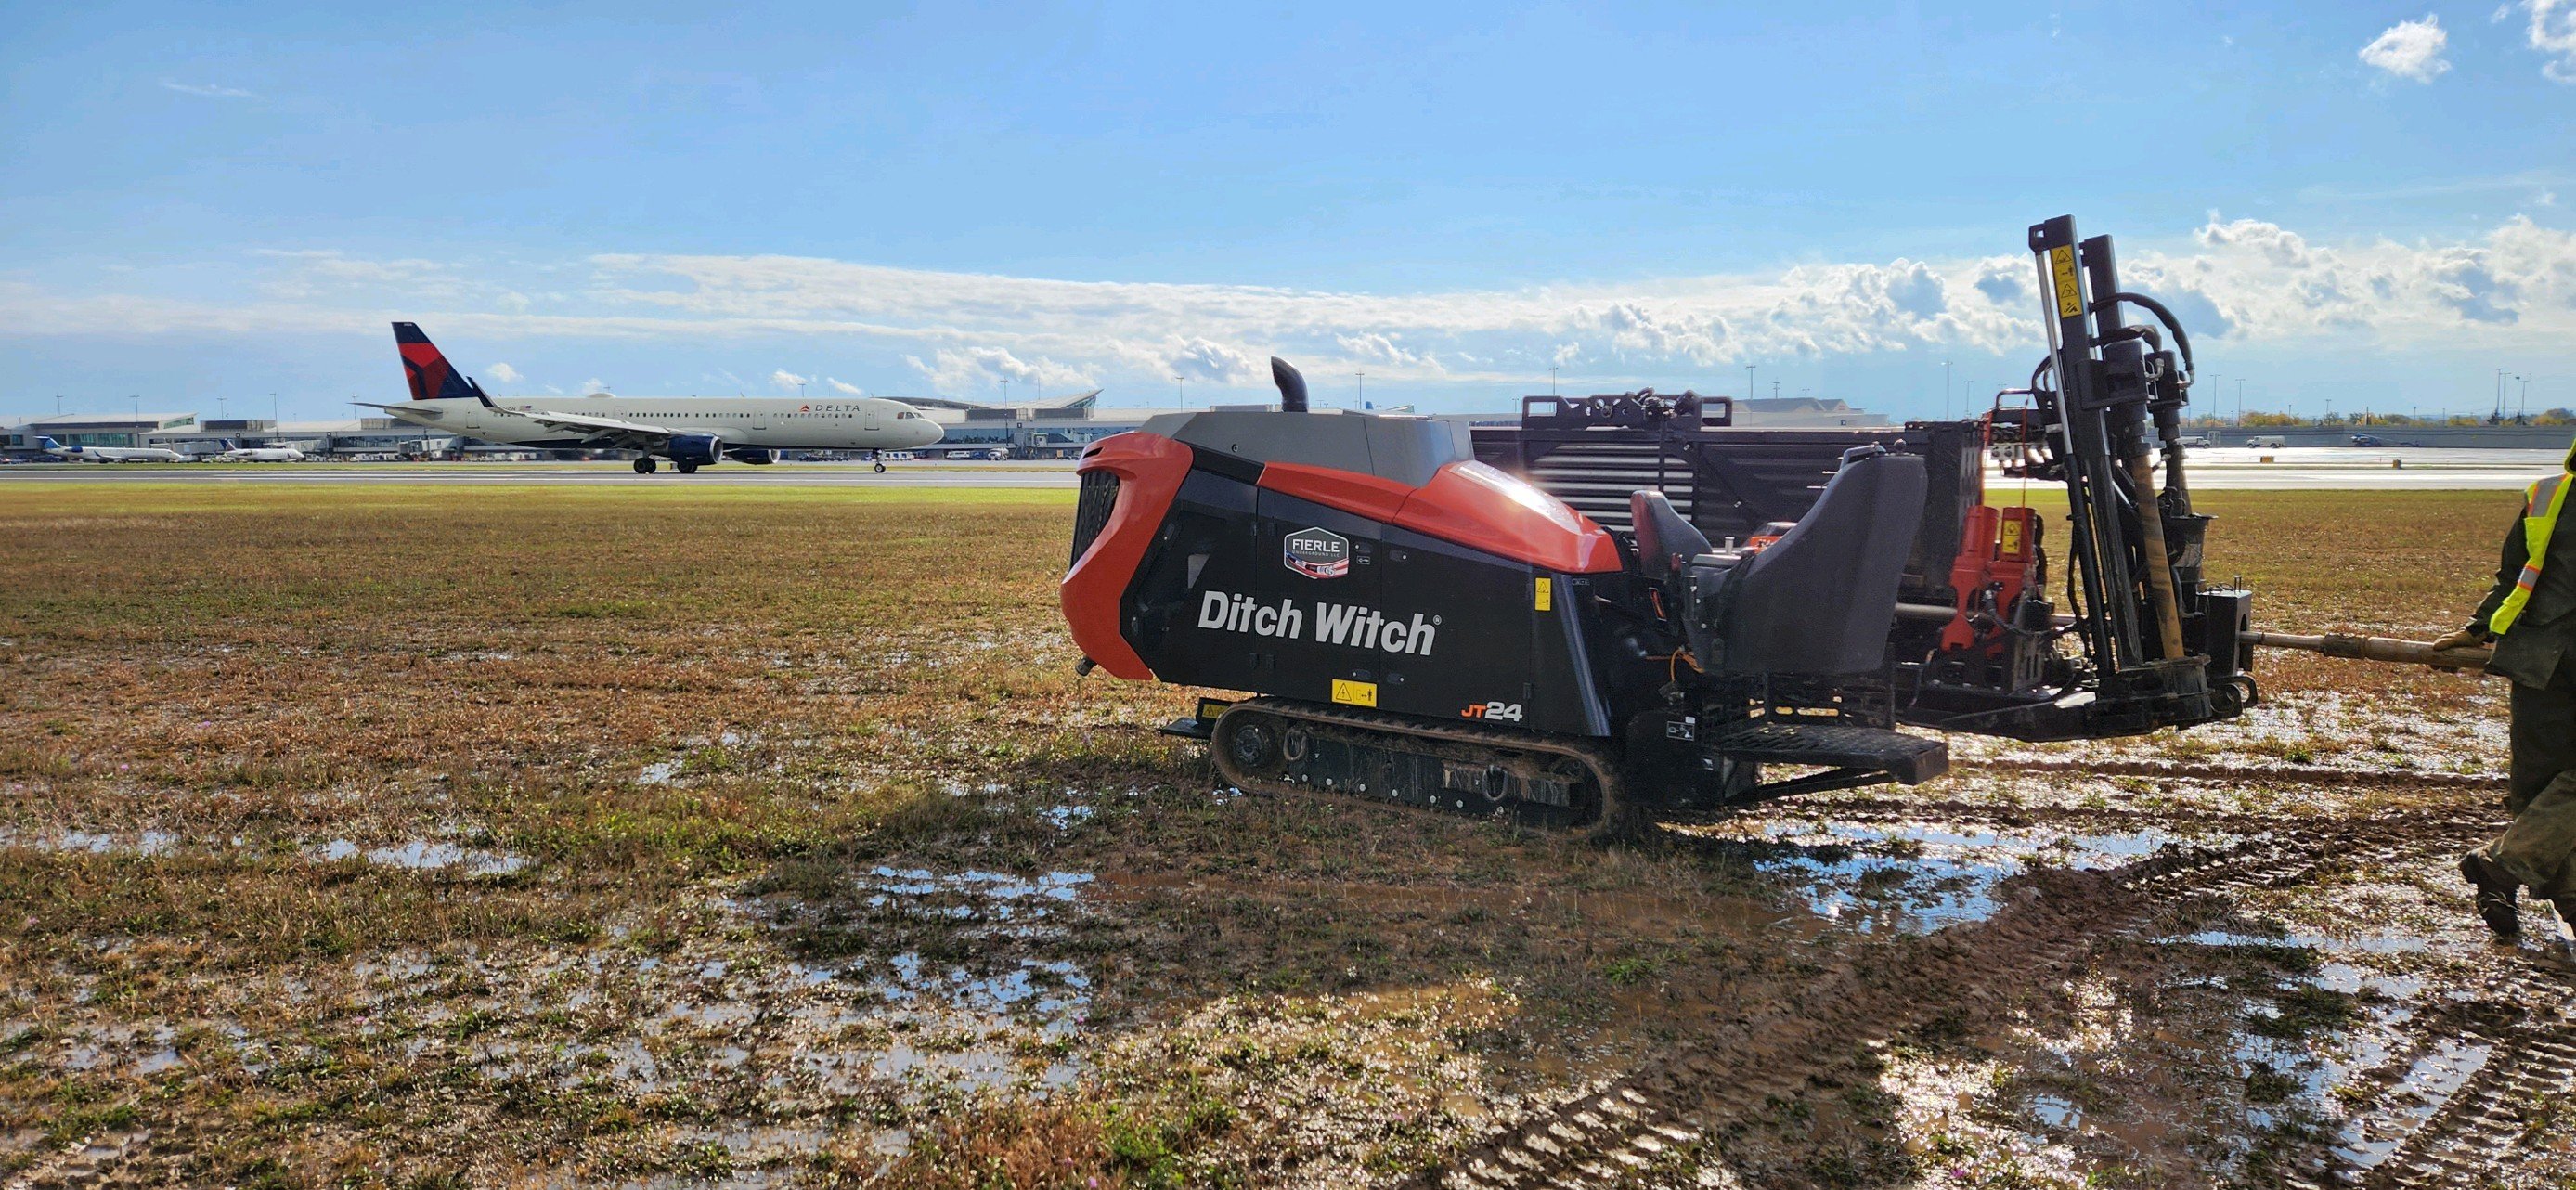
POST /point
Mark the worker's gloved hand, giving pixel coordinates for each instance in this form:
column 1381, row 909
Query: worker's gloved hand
column 2460, row 639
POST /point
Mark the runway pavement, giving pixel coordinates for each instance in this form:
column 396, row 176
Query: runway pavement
column 2322, row 468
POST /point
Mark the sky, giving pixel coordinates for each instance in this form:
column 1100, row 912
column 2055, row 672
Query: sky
column 204, row 207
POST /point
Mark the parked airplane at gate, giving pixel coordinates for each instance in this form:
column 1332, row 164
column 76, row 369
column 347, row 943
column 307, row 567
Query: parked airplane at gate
column 110, row 454
column 692, row 432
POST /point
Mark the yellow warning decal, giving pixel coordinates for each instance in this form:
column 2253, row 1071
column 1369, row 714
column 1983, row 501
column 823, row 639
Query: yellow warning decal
column 2061, row 265
column 2012, row 537
column 1358, row 694
column 1545, row 600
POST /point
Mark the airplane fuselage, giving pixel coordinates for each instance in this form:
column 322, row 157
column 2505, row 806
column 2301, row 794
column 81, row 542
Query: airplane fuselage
column 852, row 423
column 117, row 454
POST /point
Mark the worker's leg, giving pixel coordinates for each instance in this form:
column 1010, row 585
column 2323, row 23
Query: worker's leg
column 2537, row 849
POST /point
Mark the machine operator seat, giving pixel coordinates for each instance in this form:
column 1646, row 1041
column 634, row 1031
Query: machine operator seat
column 1822, row 598
column 1666, row 540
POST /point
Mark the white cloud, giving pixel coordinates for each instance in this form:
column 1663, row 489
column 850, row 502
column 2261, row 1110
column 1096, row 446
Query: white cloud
column 975, row 369
column 2553, row 32
column 504, row 373
column 789, row 381
column 2514, row 285
column 594, row 385
column 2412, row 49
column 844, row 386
column 206, row 90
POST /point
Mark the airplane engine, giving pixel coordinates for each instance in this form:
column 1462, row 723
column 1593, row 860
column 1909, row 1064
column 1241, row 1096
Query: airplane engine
column 754, row 455
column 696, row 450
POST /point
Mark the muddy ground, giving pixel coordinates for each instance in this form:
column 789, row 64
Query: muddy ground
column 398, row 837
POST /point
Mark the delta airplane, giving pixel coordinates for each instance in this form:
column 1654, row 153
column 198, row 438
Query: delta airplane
column 692, row 432
column 110, row 454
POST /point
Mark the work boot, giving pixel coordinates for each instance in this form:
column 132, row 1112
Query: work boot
column 2495, row 891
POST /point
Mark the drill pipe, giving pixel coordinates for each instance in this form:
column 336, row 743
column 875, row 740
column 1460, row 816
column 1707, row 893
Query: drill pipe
column 2373, row 648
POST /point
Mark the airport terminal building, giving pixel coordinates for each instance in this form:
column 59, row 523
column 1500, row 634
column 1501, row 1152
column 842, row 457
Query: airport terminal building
column 1046, row 430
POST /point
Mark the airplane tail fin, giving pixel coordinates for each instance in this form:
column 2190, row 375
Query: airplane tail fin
column 44, row 443
column 432, row 378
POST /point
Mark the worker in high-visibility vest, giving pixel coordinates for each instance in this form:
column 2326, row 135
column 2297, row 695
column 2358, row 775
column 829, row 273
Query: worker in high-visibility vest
column 2531, row 617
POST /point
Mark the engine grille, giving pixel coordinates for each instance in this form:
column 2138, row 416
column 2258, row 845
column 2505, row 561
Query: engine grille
column 1091, row 509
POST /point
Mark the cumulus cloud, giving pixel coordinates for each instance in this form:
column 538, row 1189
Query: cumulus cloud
column 594, row 385
column 504, row 373
column 843, row 386
column 2514, row 285
column 978, row 368
column 2553, row 32
column 789, row 381
column 1369, row 347
column 206, row 90
column 2412, row 49
column 1200, row 359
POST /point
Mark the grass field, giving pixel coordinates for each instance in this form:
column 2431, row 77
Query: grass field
column 413, row 836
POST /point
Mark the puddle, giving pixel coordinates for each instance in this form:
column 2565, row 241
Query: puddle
column 1018, row 903
column 420, row 855
column 76, row 842
column 2429, row 1082
column 1063, row 817
column 1916, row 879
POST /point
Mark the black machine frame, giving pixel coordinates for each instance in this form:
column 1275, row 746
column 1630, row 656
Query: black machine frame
column 2158, row 647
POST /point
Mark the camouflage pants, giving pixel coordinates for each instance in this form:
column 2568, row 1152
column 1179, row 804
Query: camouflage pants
column 2539, row 849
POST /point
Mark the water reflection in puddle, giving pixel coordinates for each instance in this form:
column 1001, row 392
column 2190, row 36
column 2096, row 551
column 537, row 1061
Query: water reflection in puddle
column 1915, row 879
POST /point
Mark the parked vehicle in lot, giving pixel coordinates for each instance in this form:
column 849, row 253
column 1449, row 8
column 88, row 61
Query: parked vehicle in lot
column 2196, row 443
column 2367, row 440
column 2267, row 443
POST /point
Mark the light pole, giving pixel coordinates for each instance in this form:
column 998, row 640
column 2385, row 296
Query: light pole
column 1551, row 380
column 1180, row 393
column 2240, row 402
column 1362, row 398
column 1748, row 382
column 1945, row 390
column 272, row 412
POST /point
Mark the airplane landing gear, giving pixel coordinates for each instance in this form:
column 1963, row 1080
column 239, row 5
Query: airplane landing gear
column 645, row 465
column 687, row 468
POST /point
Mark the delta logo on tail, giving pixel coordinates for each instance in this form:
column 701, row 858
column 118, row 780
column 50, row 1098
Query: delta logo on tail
column 432, row 378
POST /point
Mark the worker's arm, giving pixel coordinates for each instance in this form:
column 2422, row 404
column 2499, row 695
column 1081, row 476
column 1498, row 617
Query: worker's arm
column 2515, row 554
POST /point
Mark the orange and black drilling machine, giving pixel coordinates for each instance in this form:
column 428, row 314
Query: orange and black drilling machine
column 1626, row 604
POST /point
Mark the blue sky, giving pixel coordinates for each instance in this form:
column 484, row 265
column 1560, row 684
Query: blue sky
column 2370, row 205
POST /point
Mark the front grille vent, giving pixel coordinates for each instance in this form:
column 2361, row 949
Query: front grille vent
column 1091, row 509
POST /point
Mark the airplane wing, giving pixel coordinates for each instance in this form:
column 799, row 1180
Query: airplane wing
column 604, row 431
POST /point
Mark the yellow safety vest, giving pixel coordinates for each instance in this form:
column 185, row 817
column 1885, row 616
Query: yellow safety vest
column 2539, row 523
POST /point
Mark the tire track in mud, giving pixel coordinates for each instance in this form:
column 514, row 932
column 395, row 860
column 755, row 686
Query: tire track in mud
column 2531, row 1060
column 1642, row 1124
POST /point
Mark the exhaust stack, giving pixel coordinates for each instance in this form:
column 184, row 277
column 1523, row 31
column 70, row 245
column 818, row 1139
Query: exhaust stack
column 1292, row 386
